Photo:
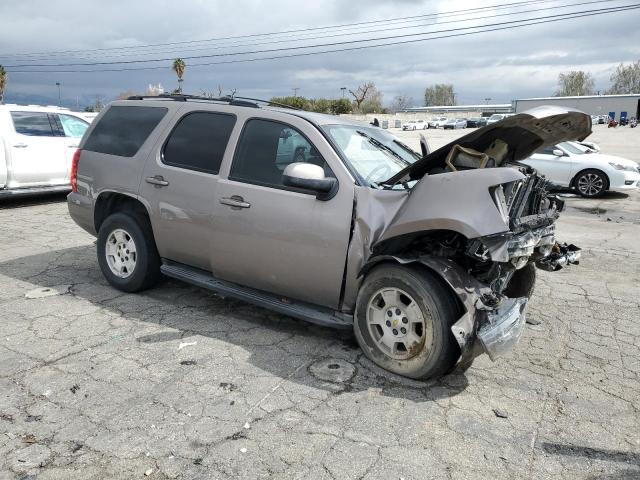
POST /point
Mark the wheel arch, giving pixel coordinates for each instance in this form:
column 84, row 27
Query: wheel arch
column 604, row 174
column 109, row 202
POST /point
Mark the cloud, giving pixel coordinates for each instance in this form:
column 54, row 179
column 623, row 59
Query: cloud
column 502, row 65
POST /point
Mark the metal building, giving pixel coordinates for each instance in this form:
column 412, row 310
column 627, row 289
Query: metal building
column 616, row 106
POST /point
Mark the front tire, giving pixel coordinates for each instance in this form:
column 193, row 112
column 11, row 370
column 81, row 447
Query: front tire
column 403, row 321
column 127, row 253
column 591, row 183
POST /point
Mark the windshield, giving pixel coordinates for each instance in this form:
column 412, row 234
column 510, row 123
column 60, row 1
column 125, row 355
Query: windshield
column 573, row 148
column 375, row 154
column 496, row 116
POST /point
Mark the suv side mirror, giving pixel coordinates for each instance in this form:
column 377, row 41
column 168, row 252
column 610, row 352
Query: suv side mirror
column 310, row 177
column 558, row 153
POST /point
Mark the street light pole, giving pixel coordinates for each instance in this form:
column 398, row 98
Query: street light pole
column 295, row 91
column 59, row 101
column 344, row 89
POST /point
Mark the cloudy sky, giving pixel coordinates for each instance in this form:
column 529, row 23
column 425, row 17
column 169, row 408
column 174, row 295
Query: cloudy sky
column 501, row 65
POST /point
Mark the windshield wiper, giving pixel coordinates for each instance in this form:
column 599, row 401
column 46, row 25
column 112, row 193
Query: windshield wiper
column 381, row 145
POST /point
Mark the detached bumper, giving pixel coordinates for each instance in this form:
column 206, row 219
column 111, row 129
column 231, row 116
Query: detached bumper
column 503, row 327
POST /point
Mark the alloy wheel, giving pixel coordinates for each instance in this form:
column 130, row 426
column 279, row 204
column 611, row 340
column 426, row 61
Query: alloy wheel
column 590, row 184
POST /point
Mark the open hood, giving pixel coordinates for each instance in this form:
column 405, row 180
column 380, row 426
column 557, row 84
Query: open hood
column 523, row 133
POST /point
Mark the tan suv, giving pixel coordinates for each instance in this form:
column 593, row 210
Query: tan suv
column 429, row 257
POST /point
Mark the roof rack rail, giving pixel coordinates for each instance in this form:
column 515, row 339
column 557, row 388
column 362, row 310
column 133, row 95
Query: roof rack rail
column 269, row 102
column 231, row 100
column 184, row 98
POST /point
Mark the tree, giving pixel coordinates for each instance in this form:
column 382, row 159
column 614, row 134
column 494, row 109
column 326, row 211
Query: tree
column 367, row 98
column 401, row 102
column 362, row 93
column 575, row 84
column 4, row 78
column 440, row 94
column 626, row 79
column 320, row 105
column 179, row 67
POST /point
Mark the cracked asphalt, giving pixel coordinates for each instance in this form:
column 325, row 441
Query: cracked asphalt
column 179, row 383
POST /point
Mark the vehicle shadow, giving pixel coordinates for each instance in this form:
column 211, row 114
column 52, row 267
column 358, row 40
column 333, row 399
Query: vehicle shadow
column 190, row 311
column 31, row 200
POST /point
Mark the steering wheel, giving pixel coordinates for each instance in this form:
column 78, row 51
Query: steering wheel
column 376, row 170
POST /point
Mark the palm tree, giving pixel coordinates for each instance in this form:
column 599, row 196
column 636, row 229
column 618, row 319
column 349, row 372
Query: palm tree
column 3, row 82
column 179, row 67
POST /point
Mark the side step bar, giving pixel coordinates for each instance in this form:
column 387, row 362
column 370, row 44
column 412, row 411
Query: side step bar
column 304, row 311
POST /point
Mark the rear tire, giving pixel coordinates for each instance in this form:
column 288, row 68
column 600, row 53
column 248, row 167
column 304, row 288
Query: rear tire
column 127, row 253
column 403, row 321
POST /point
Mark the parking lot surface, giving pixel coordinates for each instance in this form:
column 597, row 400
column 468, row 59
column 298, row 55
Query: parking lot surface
column 179, row 383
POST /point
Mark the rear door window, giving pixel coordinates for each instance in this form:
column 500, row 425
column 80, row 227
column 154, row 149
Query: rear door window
column 122, row 130
column 33, row 124
column 198, row 141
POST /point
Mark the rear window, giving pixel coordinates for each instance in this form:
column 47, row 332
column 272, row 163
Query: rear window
column 123, row 130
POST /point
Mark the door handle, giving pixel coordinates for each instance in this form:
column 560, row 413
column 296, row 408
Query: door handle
column 72, row 146
column 157, row 180
column 235, row 201
column 20, row 145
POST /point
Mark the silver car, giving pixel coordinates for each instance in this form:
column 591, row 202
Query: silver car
column 430, row 258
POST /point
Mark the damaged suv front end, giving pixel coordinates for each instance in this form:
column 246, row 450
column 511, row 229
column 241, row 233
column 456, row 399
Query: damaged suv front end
column 478, row 219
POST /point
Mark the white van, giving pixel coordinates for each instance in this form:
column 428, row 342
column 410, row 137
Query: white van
column 37, row 144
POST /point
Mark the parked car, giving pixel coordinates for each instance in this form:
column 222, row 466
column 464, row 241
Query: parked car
column 455, row 123
column 476, row 122
column 573, row 165
column 415, row 125
column 36, row 148
column 425, row 257
column 496, row 117
column 437, row 122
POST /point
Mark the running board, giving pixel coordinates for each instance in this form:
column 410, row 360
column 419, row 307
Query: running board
column 304, row 311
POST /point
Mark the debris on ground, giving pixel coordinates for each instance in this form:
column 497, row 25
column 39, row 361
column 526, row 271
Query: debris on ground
column 188, row 362
column 197, row 461
column 186, row 344
column 148, row 472
column 75, row 388
column 44, row 292
column 30, row 438
column 33, row 418
column 228, row 386
column 500, row 413
column 247, row 426
column 243, row 450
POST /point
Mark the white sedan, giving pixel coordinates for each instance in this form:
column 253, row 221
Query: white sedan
column 573, row 165
column 415, row 125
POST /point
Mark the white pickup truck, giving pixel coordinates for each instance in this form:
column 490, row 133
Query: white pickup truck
column 36, row 148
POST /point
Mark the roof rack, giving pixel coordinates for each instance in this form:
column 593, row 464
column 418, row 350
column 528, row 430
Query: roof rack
column 231, row 100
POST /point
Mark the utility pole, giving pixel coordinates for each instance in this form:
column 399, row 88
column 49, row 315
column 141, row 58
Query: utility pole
column 344, row 89
column 59, row 102
column 295, row 91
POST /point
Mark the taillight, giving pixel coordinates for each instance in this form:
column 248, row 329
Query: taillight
column 74, row 170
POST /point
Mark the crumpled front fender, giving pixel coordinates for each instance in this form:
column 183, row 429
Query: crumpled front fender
column 482, row 308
